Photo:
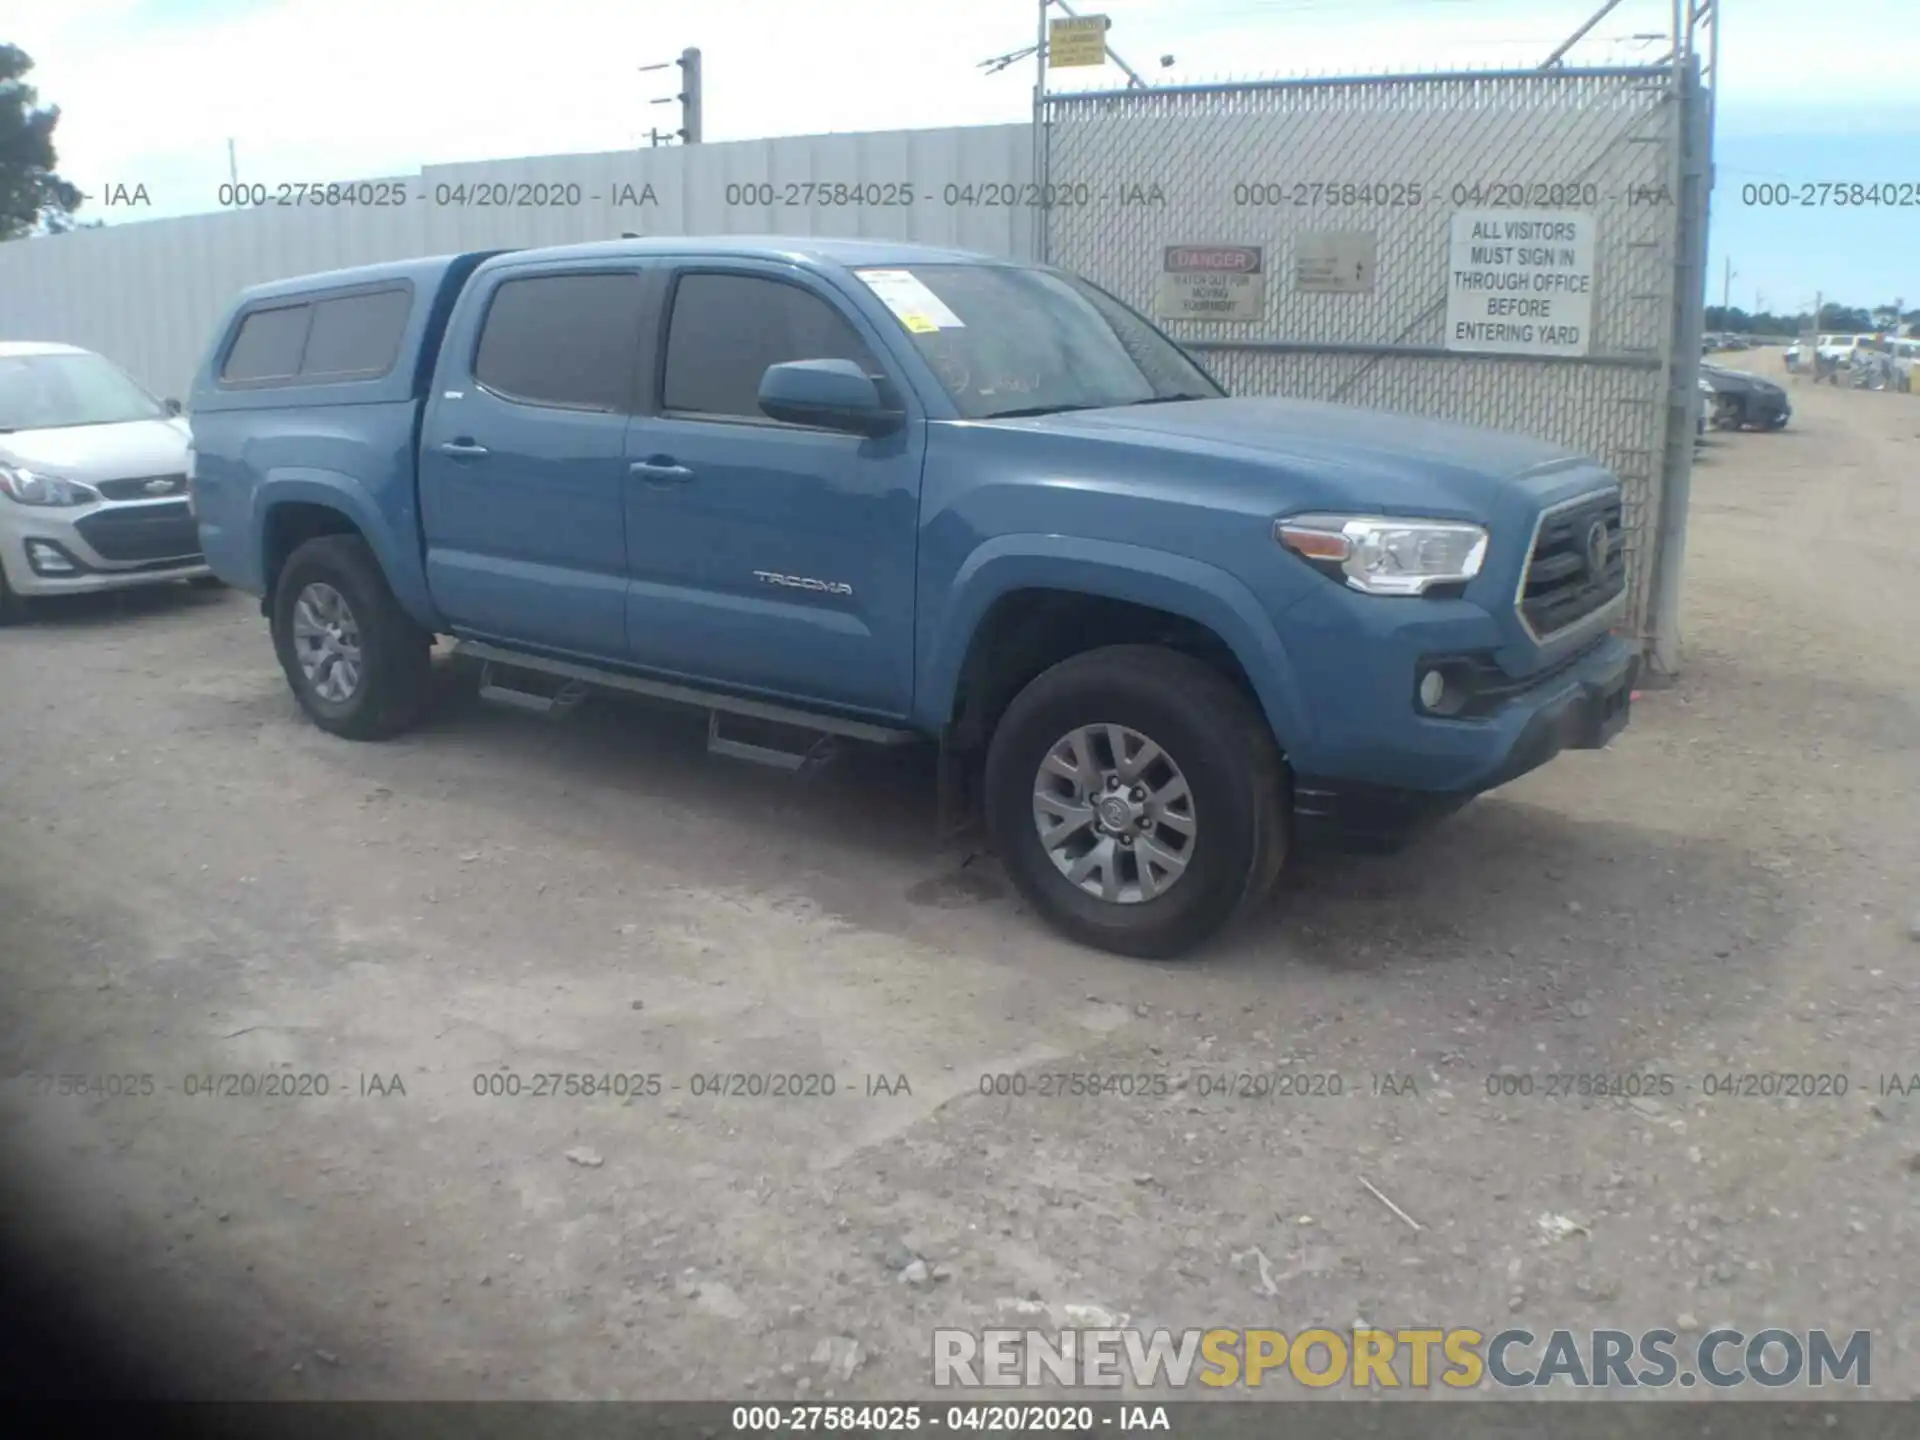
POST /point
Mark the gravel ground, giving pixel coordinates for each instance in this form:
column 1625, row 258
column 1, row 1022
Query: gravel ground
column 195, row 882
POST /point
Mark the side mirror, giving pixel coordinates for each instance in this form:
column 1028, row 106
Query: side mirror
column 832, row 394
column 172, row 407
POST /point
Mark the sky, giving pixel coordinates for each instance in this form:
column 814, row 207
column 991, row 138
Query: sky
column 151, row 90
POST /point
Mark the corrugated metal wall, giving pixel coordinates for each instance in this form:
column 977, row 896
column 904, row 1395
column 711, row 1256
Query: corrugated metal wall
column 148, row 294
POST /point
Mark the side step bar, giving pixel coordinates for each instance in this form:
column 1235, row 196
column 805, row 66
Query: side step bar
column 582, row 679
column 552, row 706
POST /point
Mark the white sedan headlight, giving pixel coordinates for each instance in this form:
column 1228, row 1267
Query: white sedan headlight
column 36, row 487
column 1382, row 555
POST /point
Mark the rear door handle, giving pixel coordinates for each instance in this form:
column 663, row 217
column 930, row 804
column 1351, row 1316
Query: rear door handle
column 463, row 449
column 661, row 472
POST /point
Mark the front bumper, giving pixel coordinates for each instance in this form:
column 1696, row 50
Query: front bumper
column 51, row 552
column 1368, row 803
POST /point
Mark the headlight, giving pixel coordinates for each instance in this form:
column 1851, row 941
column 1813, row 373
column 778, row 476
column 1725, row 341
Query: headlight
column 1384, row 556
column 35, row 487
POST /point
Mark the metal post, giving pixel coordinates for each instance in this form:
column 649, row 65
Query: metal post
column 233, row 164
column 690, row 95
column 1692, row 172
column 1040, row 136
column 1580, row 34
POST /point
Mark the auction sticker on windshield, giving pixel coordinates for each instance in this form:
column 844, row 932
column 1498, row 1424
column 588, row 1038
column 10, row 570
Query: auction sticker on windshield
column 907, row 296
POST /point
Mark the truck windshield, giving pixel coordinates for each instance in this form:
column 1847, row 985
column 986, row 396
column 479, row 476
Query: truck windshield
column 1007, row 340
column 59, row 391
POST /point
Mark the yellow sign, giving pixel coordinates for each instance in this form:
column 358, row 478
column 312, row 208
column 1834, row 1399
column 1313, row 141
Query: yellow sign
column 1079, row 40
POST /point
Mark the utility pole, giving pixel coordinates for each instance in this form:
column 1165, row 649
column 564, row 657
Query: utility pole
column 689, row 63
column 688, row 98
column 1726, row 295
column 233, row 164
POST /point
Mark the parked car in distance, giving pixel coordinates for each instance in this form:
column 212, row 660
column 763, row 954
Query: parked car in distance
column 93, row 479
column 847, row 488
column 1838, row 348
column 1906, row 359
column 1742, row 401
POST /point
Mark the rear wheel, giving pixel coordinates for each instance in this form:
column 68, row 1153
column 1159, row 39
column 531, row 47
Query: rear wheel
column 359, row 665
column 1136, row 797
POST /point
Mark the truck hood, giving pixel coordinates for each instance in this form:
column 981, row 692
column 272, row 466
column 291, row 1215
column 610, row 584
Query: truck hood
column 1367, row 459
column 92, row 453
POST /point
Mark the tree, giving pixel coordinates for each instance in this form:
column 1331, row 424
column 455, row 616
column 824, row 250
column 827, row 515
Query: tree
column 31, row 194
column 1844, row 319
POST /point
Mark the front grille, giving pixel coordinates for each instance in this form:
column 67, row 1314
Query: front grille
column 136, row 488
column 1563, row 585
column 142, row 532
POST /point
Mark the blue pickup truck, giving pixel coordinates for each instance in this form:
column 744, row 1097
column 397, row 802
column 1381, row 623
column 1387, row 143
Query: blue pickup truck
column 838, row 488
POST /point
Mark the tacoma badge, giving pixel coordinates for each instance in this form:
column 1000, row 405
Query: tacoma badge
column 801, row 582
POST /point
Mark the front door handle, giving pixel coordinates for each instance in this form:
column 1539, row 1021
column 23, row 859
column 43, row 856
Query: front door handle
column 463, row 449
column 661, row 472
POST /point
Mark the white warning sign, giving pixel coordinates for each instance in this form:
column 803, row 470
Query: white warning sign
column 1211, row 282
column 1520, row 282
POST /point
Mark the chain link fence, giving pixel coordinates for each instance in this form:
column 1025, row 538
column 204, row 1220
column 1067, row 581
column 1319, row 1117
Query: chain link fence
column 1349, row 188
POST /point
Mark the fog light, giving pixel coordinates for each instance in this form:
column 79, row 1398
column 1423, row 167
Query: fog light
column 47, row 559
column 1433, row 689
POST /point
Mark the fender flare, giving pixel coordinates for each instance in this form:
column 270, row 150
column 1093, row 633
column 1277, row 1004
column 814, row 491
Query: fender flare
column 331, row 490
column 1192, row 589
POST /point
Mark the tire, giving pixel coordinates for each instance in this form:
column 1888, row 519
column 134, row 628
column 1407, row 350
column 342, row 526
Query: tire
column 394, row 673
column 13, row 609
column 1212, row 736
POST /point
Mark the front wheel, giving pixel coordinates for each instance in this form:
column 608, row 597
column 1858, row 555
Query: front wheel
column 1136, row 798
column 12, row 608
column 359, row 665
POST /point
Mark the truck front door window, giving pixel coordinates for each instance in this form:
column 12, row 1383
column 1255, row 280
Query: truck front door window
column 562, row 340
column 727, row 329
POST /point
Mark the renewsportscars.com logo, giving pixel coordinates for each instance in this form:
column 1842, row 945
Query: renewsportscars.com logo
column 1397, row 1359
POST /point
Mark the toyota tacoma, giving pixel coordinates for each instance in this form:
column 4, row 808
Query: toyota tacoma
column 845, row 488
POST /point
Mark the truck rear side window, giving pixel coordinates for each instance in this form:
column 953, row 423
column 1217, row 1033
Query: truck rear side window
column 567, row 340
column 727, row 329
column 356, row 334
column 268, row 346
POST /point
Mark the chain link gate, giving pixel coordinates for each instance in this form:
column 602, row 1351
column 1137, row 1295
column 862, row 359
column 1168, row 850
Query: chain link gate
column 1127, row 174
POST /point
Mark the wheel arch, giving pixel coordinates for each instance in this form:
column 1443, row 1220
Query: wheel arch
column 1022, row 604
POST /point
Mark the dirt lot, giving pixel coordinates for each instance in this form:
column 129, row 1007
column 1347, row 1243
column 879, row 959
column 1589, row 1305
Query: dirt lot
column 195, row 882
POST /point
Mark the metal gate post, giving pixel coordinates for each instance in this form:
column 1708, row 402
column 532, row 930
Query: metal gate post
column 1692, row 138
